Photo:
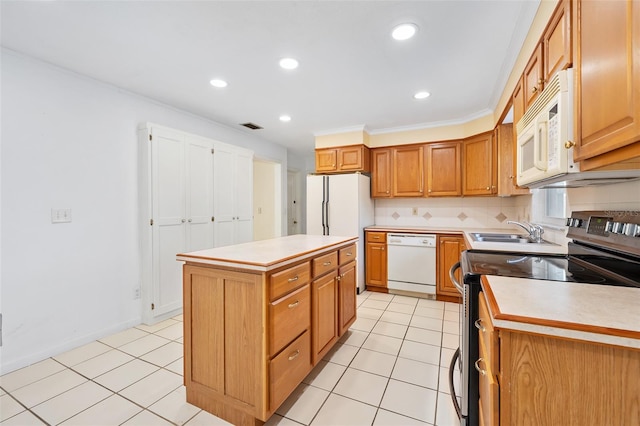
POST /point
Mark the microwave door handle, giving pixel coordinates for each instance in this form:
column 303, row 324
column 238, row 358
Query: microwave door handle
column 540, row 146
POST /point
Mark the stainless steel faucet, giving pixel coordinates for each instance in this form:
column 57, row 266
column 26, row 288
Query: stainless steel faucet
column 535, row 231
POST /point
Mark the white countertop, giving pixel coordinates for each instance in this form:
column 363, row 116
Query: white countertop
column 269, row 254
column 596, row 313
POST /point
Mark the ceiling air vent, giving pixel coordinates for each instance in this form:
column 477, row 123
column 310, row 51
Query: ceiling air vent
column 251, row 126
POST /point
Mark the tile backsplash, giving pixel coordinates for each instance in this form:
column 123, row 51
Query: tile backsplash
column 465, row 212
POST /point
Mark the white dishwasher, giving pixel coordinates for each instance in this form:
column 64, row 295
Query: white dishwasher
column 411, row 263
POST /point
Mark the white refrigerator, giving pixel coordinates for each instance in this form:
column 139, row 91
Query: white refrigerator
column 341, row 205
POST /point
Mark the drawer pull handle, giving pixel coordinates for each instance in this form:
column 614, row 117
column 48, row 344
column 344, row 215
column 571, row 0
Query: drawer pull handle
column 349, row 254
column 480, row 370
column 479, row 325
column 326, row 263
column 293, row 279
column 294, row 355
column 294, row 304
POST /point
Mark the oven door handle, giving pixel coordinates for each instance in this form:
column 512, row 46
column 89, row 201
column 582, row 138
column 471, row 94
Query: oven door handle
column 452, row 391
column 452, row 276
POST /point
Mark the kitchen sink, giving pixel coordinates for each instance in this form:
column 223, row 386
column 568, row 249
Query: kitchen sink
column 504, row 238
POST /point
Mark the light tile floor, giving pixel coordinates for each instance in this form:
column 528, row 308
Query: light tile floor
column 389, row 369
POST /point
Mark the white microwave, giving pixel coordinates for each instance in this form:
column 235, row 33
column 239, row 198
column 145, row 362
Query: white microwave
column 544, row 130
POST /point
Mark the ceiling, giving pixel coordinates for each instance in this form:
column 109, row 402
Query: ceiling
column 351, row 74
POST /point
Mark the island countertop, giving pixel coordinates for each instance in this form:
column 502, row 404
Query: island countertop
column 265, row 255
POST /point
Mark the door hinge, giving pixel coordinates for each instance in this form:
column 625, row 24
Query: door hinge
column 151, row 222
column 150, row 137
column 153, row 306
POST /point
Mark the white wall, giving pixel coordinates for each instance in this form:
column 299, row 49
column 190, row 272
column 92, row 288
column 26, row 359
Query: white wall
column 70, row 142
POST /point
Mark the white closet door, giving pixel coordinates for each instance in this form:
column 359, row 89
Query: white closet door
column 244, row 198
column 224, row 195
column 168, row 230
column 199, row 195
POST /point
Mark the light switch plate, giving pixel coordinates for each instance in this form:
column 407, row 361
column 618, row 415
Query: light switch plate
column 60, row 215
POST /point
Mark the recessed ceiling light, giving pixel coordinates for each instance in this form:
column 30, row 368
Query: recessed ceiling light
column 288, row 63
column 285, row 118
column 218, row 83
column 404, row 31
column 422, row 95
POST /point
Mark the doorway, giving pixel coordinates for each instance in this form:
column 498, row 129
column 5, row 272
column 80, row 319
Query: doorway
column 267, row 199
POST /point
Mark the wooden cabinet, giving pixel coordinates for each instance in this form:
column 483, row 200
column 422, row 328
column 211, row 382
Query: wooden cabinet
column 449, row 249
column 533, row 379
column 376, row 261
column 607, row 81
column 533, row 77
column 518, row 103
column 347, row 297
column 443, row 161
column 381, row 159
column 408, row 171
column 556, row 41
column 479, row 171
column 352, row 158
column 504, row 136
column 251, row 337
column 488, row 366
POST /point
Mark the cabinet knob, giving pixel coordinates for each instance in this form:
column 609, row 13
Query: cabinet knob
column 326, row 263
column 534, row 89
column 294, row 355
column 183, row 221
column 387, row 192
column 488, row 188
column 569, row 144
column 190, row 220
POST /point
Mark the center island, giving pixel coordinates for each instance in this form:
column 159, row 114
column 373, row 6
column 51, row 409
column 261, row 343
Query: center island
column 259, row 316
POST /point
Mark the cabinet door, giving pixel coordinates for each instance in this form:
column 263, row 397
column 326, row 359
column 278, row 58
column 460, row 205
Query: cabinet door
column 168, row 233
column 199, row 194
column 480, row 171
column 518, row 102
column 350, row 159
column 443, row 169
column 326, row 160
column 607, row 73
column 347, row 297
column 243, row 178
column 533, row 77
column 504, row 134
column 224, row 197
column 381, row 174
column 449, row 249
column 408, row 171
column 376, row 265
column 556, row 41
column 324, row 315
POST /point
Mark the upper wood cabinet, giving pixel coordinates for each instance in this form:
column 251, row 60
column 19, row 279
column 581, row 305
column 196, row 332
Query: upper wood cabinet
column 443, row 169
column 479, row 171
column 556, row 41
column 381, row 173
column 533, row 77
column 505, row 142
column 607, row 80
column 408, row 171
column 518, row 101
column 353, row 158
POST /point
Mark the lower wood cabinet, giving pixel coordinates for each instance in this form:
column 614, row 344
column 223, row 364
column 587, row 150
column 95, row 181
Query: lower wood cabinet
column 449, row 249
column 537, row 379
column 376, row 261
column 251, row 337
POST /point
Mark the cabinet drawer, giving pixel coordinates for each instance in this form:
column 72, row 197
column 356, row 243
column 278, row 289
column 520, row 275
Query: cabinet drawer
column 325, row 263
column 284, row 281
column 289, row 317
column 376, row 237
column 347, row 254
column 288, row 369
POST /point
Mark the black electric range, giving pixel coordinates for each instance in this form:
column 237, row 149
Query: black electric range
column 605, row 250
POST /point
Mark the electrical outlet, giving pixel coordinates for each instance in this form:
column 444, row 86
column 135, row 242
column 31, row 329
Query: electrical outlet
column 414, row 211
column 136, row 293
column 60, row 215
